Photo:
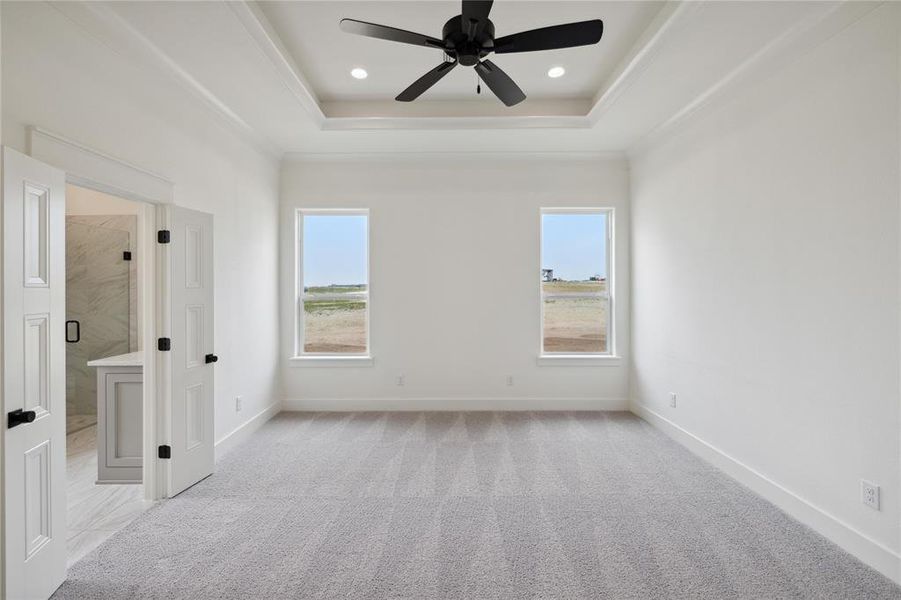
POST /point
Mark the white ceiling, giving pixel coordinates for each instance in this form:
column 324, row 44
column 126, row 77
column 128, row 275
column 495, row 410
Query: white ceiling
column 278, row 72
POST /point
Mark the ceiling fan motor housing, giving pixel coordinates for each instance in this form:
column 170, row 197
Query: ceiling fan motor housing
column 458, row 45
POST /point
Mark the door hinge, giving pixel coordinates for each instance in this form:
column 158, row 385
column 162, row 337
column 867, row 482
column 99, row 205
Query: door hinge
column 164, row 451
column 126, row 255
column 163, row 236
column 164, row 344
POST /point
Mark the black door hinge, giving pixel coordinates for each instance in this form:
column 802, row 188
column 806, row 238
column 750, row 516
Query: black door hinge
column 164, row 344
column 126, row 255
column 163, row 236
column 164, row 452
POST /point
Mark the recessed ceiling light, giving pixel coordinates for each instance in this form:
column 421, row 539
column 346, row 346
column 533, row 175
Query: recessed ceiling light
column 359, row 73
column 555, row 72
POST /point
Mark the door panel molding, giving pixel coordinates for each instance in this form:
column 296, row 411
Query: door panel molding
column 37, row 498
column 193, row 256
column 36, row 362
column 193, row 416
column 194, row 340
column 36, row 242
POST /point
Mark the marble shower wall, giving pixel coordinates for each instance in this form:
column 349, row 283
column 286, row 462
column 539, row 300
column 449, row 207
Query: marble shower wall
column 101, row 294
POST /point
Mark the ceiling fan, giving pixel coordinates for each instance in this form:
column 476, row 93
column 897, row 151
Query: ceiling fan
column 468, row 38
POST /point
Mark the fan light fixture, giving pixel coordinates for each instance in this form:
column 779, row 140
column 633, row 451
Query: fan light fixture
column 359, row 73
column 555, row 72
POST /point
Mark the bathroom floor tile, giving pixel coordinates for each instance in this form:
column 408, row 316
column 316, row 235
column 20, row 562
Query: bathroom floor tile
column 95, row 512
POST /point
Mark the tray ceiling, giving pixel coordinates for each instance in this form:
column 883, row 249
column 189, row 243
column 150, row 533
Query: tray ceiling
column 278, row 73
column 326, row 55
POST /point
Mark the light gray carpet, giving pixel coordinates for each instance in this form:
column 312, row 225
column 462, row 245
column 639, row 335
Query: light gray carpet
column 467, row 505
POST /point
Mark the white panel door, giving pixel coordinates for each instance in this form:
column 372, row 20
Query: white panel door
column 34, row 376
column 192, row 358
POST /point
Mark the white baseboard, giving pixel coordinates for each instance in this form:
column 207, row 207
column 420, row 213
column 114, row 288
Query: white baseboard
column 414, row 404
column 243, row 431
column 866, row 549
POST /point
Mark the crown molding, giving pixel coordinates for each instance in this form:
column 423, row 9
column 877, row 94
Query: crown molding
column 485, row 106
column 796, row 41
column 102, row 22
column 313, row 157
column 643, row 53
column 440, row 123
column 270, row 44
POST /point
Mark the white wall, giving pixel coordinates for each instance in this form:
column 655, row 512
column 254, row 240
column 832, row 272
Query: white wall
column 766, row 284
column 454, row 281
column 60, row 78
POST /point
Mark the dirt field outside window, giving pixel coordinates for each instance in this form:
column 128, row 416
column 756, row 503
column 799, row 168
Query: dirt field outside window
column 335, row 324
column 574, row 323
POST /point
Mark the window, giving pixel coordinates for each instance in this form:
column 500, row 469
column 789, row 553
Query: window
column 576, row 305
column 333, row 283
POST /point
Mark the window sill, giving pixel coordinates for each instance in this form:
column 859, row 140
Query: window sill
column 330, row 361
column 576, row 360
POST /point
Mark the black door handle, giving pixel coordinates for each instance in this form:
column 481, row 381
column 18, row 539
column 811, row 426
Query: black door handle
column 77, row 332
column 18, row 417
column 211, row 358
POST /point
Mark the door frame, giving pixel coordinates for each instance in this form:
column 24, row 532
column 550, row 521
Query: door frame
column 92, row 169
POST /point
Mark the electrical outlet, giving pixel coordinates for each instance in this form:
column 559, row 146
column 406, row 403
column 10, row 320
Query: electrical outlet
column 672, row 399
column 869, row 494
column 237, row 403
column 401, row 380
column 510, row 380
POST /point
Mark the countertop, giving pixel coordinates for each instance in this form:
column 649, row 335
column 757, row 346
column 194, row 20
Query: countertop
column 133, row 359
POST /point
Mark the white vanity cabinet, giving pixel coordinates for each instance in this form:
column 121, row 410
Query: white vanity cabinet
column 120, row 389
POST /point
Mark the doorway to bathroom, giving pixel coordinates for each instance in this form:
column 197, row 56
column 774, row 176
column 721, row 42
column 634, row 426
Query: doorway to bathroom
column 175, row 307
column 104, row 366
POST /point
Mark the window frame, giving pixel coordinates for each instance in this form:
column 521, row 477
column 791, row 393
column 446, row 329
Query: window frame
column 580, row 358
column 300, row 356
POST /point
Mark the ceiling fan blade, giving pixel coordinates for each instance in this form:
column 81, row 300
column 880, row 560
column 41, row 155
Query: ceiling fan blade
column 583, row 33
column 476, row 10
column 474, row 17
column 392, row 34
column 419, row 86
column 500, row 83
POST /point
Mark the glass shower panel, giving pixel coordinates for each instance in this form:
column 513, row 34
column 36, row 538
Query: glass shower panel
column 97, row 296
